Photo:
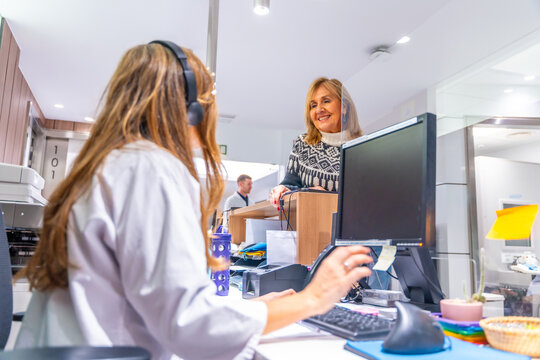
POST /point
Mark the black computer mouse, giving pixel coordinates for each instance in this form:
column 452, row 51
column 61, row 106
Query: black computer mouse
column 415, row 332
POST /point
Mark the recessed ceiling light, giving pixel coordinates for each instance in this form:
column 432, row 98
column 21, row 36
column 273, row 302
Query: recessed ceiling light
column 89, row 119
column 508, row 91
column 261, row 7
column 529, row 77
column 403, row 40
column 59, row 106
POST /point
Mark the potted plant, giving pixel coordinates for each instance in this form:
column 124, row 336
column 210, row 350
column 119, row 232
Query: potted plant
column 470, row 308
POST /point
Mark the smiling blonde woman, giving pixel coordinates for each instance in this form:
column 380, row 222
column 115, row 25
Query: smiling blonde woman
column 331, row 120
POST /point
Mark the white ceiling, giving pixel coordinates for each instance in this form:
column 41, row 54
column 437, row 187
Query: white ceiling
column 493, row 140
column 506, row 87
column 69, row 48
column 265, row 64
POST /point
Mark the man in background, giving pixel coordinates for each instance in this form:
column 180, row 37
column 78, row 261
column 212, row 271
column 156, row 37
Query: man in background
column 240, row 197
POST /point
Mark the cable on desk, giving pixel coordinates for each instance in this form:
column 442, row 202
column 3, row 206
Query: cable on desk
column 289, row 213
column 354, row 294
column 282, row 208
column 392, row 276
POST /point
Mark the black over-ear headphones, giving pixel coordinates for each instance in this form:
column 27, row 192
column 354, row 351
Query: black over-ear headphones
column 195, row 111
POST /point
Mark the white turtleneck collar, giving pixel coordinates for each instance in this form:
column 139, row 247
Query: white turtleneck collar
column 335, row 139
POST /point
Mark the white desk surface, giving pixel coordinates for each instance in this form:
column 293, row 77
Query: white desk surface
column 299, row 342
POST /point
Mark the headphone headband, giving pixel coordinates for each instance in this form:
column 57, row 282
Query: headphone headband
column 195, row 111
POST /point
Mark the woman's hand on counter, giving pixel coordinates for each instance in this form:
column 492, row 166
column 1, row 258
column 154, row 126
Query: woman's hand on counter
column 275, row 195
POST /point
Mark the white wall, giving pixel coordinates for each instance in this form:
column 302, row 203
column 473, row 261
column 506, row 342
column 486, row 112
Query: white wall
column 261, row 187
column 496, row 180
column 259, row 192
column 420, row 103
column 452, row 215
column 527, row 153
column 459, row 103
column 74, row 148
column 256, row 144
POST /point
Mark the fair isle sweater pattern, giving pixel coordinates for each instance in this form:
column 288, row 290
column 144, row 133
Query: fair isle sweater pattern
column 315, row 165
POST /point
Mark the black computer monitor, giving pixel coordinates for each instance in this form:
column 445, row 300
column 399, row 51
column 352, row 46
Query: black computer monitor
column 387, row 197
column 387, row 186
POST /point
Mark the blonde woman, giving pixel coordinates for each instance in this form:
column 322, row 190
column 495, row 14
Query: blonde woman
column 123, row 256
column 331, row 119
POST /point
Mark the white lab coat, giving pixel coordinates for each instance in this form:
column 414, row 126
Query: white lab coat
column 140, row 275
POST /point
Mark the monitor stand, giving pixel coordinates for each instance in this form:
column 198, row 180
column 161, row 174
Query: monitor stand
column 418, row 278
column 434, row 308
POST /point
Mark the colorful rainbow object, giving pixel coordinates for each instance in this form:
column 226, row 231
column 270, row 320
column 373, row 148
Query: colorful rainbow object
column 469, row 331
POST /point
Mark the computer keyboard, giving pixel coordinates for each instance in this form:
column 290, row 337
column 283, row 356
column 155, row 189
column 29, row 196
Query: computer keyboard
column 352, row 324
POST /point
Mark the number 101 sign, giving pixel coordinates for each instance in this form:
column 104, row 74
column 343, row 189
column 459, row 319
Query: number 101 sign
column 54, row 164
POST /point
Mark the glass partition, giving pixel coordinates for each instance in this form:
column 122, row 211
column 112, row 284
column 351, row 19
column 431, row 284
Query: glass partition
column 350, row 124
column 488, row 159
column 497, row 104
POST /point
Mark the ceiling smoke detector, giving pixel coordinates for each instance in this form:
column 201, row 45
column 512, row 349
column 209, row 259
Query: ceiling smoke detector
column 380, row 54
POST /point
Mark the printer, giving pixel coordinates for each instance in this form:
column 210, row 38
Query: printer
column 273, row 277
column 20, row 196
column 21, row 184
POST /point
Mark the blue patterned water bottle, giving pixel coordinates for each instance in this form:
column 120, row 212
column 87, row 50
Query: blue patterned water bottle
column 221, row 248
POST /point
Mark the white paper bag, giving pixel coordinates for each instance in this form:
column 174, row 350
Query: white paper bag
column 256, row 230
column 281, row 247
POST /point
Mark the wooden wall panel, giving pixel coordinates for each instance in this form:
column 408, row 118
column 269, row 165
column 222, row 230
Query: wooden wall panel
column 11, row 140
column 63, row 125
column 22, row 124
column 12, row 64
column 82, row 127
column 49, row 124
column 14, row 96
column 4, row 55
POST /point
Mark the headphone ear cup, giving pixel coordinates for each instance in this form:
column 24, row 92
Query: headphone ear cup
column 195, row 113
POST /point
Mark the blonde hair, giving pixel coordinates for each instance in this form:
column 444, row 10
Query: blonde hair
column 145, row 99
column 336, row 88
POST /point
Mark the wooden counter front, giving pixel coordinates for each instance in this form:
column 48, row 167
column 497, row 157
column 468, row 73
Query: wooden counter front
column 309, row 213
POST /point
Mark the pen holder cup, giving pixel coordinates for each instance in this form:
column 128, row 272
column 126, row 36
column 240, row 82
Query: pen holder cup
column 221, row 249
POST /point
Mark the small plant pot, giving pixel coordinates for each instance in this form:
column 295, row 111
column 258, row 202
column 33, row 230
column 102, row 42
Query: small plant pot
column 460, row 310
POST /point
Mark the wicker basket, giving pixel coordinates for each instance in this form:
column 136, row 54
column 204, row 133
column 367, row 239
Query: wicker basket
column 517, row 340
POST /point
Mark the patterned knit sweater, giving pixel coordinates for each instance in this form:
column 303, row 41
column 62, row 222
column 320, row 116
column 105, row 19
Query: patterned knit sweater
column 313, row 165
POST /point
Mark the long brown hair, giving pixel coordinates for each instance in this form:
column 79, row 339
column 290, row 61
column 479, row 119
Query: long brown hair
column 145, row 99
column 336, row 88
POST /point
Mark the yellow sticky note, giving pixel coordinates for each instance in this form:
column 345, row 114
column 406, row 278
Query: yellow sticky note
column 513, row 223
column 386, row 258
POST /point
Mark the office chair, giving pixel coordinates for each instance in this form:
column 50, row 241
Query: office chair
column 6, row 287
column 51, row 353
column 78, row 353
